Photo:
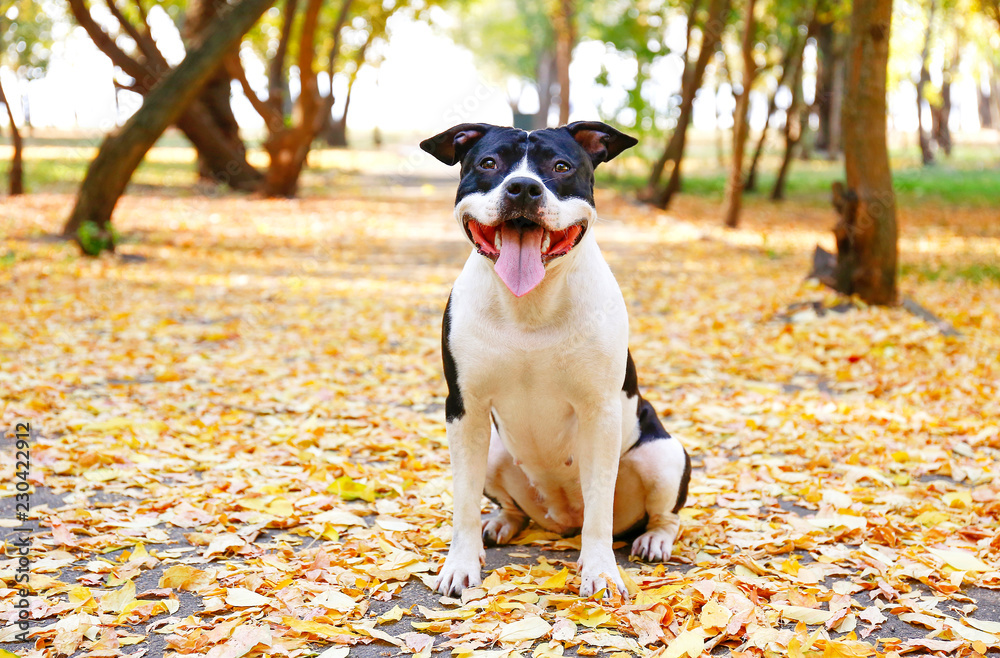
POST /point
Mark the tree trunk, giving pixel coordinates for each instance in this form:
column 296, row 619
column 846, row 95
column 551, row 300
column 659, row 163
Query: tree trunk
column 335, row 134
column 942, row 113
column 720, row 147
column 16, row 164
column 926, row 149
column 995, row 98
column 867, row 233
column 545, row 78
column 674, row 151
column 829, row 87
column 983, row 102
column 826, row 56
column 288, row 147
column 656, row 173
column 835, row 134
column 565, row 30
column 793, row 131
column 789, row 63
column 741, row 121
column 216, row 103
column 164, row 104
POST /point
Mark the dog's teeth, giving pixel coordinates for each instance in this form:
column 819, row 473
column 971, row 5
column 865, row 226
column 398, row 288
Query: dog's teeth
column 496, row 240
column 546, row 242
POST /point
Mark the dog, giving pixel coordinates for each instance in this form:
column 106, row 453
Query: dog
column 543, row 410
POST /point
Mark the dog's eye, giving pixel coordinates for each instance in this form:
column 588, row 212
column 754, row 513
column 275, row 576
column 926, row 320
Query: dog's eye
column 561, row 167
column 488, row 163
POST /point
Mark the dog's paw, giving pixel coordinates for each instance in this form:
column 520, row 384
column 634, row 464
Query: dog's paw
column 655, row 545
column 502, row 528
column 593, row 576
column 456, row 575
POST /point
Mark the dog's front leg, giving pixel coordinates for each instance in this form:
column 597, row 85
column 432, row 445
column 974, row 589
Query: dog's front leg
column 468, row 442
column 599, row 450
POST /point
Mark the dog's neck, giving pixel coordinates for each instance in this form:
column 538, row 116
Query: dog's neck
column 551, row 300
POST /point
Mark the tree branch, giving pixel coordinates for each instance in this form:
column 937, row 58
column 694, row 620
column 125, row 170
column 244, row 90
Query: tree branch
column 144, row 78
column 335, row 48
column 145, row 44
column 234, row 67
column 276, row 74
column 144, row 16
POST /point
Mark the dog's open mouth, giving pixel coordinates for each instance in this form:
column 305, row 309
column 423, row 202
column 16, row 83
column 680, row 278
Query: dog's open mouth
column 520, row 252
column 489, row 240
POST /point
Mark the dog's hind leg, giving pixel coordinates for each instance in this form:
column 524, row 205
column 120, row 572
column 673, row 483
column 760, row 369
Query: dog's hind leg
column 664, row 470
column 501, row 475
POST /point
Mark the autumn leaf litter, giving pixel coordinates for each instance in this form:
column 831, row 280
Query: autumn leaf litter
column 253, row 411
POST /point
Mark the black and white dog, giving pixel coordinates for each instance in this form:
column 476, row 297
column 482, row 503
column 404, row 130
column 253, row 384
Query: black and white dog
column 543, row 410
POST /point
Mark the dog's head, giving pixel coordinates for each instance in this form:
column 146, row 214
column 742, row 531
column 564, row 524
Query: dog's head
column 526, row 199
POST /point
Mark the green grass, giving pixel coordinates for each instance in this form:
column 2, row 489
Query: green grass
column 974, row 273
column 65, row 174
column 969, row 179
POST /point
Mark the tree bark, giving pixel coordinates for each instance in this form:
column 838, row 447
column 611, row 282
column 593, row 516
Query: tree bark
column 216, row 102
column 565, row 29
column 867, row 232
column 741, row 125
column 711, row 34
column 926, row 149
column 16, row 163
column 122, row 151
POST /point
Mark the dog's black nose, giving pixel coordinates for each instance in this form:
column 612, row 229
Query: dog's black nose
column 523, row 191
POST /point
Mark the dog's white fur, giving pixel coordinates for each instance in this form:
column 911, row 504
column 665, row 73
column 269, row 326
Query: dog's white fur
column 549, row 367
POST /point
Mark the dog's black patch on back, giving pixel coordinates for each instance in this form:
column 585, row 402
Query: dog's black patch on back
column 682, row 490
column 454, row 407
column 650, row 427
column 631, row 385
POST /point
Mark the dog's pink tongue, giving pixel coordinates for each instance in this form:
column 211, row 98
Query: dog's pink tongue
column 520, row 262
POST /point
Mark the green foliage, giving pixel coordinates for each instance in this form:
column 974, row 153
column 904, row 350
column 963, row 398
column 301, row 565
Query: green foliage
column 366, row 22
column 26, row 35
column 94, row 239
column 509, row 38
column 637, row 30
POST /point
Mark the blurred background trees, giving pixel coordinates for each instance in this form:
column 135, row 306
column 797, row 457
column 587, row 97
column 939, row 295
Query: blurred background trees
column 25, row 47
column 765, row 81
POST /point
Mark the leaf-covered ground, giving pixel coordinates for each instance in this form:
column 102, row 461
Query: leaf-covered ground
column 240, row 443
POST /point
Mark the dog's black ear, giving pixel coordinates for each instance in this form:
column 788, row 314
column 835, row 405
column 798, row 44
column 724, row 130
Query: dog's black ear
column 599, row 140
column 451, row 146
